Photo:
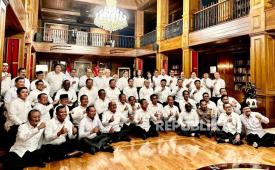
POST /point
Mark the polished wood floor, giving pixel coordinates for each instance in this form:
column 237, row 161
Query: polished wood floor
column 168, row 151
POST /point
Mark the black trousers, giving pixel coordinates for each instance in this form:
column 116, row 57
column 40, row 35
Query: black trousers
column 223, row 135
column 59, row 152
column 139, row 132
column 96, row 143
column 12, row 135
column 118, row 136
column 128, row 129
column 30, row 159
column 268, row 140
column 207, row 131
column 188, row 131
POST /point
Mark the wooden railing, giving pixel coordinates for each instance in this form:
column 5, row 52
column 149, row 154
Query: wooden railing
column 220, row 12
column 173, row 29
column 148, row 38
column 82, row 38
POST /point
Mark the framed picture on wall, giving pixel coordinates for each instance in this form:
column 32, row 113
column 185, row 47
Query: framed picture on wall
column 120, row 71
column 81, row 67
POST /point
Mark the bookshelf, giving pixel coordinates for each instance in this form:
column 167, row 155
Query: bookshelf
column 241, row 69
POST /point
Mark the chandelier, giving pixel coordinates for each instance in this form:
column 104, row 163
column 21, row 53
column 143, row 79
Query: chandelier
column 110, row 18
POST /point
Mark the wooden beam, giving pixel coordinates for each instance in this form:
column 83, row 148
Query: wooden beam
column 61, row 12
column 131, row 6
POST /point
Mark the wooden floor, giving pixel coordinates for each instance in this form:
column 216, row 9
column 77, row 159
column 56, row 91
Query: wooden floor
column 168, row 151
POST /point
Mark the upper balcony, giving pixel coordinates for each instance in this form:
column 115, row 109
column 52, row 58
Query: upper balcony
column 148, row 39
column 173, row 29
column 225, row 19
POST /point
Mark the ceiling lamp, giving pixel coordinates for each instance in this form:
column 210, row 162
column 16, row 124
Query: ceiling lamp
column 110, row 18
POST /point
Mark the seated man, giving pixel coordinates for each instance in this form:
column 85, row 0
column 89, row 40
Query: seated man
column 208, row 118
column 38, row 90
column 144, row 128
column 63, row 101
column 66, row 89
column 59, row 137
column 26, row 150
column 101, row 103
column 162, row 91
column 256, row 135
column 17, row 114
column 90, row 133
column 170, row 113
column 134, row 106
column 210, row 104
column 44, row 107
column 112, row 121
column 235, row 105
column 78, row 113
column 231, row 124
column 231, row 100
column 186, row 99
column 112, row 92
column 198, row 91
column 189, row 122
column 40, row 76
column 130, row 90
column 90, row 90
column 156, row 109
column 146, row 91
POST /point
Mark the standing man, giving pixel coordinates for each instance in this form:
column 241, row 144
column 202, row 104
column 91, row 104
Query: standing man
column 66, row 89
column 122, row 82
column 146, row 91
column 101, row 103
column 55, row 79
column 178, row 91
column 90, row 90
column 40, row 88
column 78, row 112
column 22, row 73
column 197, row 92
column 11, row 94
column 112, row 92
column 218, row 83
column 6, row 79
column 99, row 81
column 89, row 75
column 73, row 78
column 40, row 76
column 206, row 83
column 130, row 90
column 162, row 91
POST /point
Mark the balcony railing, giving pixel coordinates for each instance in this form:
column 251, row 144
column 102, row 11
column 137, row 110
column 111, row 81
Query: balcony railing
column 173, row 29
column 84, row 38
column 148, row 38
column 221, row 12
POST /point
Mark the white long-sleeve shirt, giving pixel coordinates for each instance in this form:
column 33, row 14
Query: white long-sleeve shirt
column 17, row 113
column 253, row 125
column 53, row 127
column 44, row 110
column 10, row 95
column 55, row 81
column 237, row 108
column 28, row 138
column 145, row 116
column 233, row 126
column 112, row 94
column 138, row 81
column 156, row 81
column 67, row 110
column 34, row 94
column 183, row 102
column 217, row 85
column 145, row 93
column 124, row 109
column 192, row 83
column 196, row 94
column 74, row 82
column 33, row 86
column 170, row 113
column 101, row 105
column 27, row 83
column 91, row 93
column 177, row 92
column 78, row 114
column 130, row 91
column 122, row 83
column 162, row 94
column 82, row 81
column 116, row 124
column 5, row 83
column 71, row 95
column 188, row 119
column 87, row 124
column 174, row 82
column 207, row 85
column 157, row 110
column 99, row 82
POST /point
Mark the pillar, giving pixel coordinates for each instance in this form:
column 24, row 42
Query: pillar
column 139, row 27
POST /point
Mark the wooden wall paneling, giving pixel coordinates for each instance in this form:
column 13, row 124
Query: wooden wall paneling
column 225, row 68
column 170, row 44
column 186, row 61
column 270, row 61
column 139, row 27
column 19, row 10
column 270, row 19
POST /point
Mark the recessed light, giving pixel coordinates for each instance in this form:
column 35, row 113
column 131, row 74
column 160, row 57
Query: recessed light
column 59, row 19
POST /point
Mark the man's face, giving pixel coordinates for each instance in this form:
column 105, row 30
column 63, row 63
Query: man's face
column 100, row 73
column 170, row 101
column 40, row 76
column 113, row 107
column 113, row 84
column 205, row 75
column 172, row 73
column 223, row 92
column 40, row 86
column 163, row 83
column 22, row 73
column 225, row 100
column 5, row 68
column 206, row 97
column 102, row 95
column 182, row 75
column 107, row 73
column 193, row 75
column 89, row 73
column 61, row 114
column 126, row 74
column 156, row 73
column 122, row 99
column 131, row 83
column 20, row 83
column 84, row 101
column 58, row 69
column 246, row 111
column 23, row 94
column 44, row 99
column 89, row 84
column 73, row 73
column 144, row 105
column 64, row 101
column 35, row 119
column 132, row 100
column 228, row 108
column 180, row 83
column 67, row 85
column 217, row 75
column 163, row 72
column 203, row 106
column 147, row 83
column 154, row 100
column 91, row 113
column 185, row 95
column 198, row 84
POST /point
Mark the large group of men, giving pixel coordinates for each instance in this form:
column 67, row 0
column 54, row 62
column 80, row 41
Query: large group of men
column 59, row 116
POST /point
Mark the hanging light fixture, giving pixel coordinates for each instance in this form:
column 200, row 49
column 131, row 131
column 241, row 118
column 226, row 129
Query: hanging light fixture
column 110, row 18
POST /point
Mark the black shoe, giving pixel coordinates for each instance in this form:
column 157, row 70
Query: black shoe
column 126, row 139
column 92, row 150
column 42, row 164
column 220, row 140
column 108, row 148
column 197, row 135
column 143, row 136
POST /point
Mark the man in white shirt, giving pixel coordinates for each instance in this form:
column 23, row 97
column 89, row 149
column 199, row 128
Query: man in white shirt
column 156, row 79
column 112, row 92
column 82, row 80
column 231, row 131
column 122, row 82
column 162, row 91
column 163, row 75
column 44, row 107
column 134, row 106
column 66, row 89
column 225, row 100
column 218, row 83
column 99, row 81
column 63, row 101
column 78, row 113
column 197, row 92
column 156, row 109
column 40, row 88
column 55, row 79
column 191, row 83
column 21, row 73
column 11, row 94
column 172, row 80
column 146, row 91
column 90, row 90
column 101, row 103
column 6, row 79
column 206, row 83
column 17, row 114
column 231, row 100
column 111, row 120
column 138, row 80
column 59, row 137
column 91, row 133
column 107, row 78
column 210, row 104
column 208, row 119
column 256, row 135
column 170, row 113
column 73, row 78
column 130, row 90
column 143, row 118
column 26, row 150
column 178, row 90
column 185, row 80
column 186, row 99
column 40, row 76
column 188, row 122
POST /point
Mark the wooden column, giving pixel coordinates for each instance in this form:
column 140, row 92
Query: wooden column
column 262, row 59
column 3, row 4
column 186, row 61
column 139, row 27
column 160, row 58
